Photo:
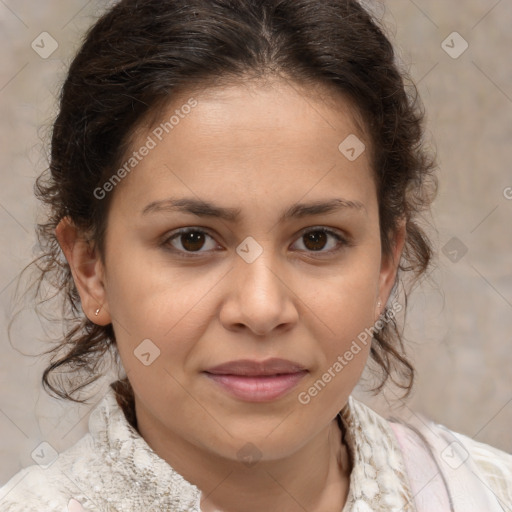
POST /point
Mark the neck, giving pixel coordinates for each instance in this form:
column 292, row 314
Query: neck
column 315, row 478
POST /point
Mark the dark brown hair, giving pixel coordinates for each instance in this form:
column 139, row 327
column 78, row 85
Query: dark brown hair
column 141, row 54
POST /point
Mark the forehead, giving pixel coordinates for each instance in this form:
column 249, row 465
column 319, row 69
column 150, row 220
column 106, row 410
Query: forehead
column 260, row 134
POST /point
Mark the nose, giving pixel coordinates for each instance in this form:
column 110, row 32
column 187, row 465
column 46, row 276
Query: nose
column 260, row 297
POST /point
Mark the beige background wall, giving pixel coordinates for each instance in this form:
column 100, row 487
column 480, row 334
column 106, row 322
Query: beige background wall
column 459, row 327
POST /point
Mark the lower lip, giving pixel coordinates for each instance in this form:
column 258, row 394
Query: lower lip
column 258, row 389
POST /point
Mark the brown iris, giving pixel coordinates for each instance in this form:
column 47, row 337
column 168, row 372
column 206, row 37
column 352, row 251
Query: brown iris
column 192, row 241
column 316, row 239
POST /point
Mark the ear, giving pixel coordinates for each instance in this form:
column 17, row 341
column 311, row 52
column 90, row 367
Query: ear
column 87, row 270
column 389, row 266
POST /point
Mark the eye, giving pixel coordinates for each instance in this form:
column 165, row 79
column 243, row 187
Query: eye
column 316, row 239
column 191, row 240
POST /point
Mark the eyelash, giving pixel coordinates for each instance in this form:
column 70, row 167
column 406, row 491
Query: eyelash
column 342, row 241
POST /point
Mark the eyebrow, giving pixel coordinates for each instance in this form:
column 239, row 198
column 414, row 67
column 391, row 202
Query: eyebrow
column 203, row 208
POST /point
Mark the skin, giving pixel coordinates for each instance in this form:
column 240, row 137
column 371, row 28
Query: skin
column 260, row 148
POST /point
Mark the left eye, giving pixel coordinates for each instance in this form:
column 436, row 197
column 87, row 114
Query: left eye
column 192, row 240
column 316, row 239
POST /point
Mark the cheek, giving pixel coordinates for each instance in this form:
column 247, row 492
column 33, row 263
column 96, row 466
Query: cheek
column 344, row 313
column 342, row 344
column 159, row 313
column 347, row 302
column 349, row 318
column 150, row 298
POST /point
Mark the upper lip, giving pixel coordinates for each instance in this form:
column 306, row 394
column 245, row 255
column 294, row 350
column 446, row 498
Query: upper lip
column 250, row 368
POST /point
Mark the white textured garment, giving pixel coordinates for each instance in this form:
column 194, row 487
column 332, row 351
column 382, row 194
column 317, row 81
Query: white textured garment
column 113, row 469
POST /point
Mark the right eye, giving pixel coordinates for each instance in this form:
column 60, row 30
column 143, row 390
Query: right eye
column 188, row 242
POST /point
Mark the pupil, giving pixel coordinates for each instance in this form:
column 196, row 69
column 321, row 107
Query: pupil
column 318, row 239
column 192, row 241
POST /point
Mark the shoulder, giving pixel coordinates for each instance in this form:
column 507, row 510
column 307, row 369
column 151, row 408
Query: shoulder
column 472, row 472
column 438, row 468
column 51, row 487
column 110, row 468
column 76, row 473
column 494, row 465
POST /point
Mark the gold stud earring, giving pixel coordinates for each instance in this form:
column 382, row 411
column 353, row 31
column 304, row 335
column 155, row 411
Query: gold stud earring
column 97, row 312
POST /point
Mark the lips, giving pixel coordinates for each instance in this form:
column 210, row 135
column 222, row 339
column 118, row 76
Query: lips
column 257, row 381
column 249, row 368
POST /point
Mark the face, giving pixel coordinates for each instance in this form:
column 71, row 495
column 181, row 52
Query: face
column 243, row 233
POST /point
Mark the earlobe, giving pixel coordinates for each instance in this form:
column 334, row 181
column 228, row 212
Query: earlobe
column 87, row 270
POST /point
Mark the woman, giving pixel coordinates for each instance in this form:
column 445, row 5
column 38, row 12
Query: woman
column 235, row 187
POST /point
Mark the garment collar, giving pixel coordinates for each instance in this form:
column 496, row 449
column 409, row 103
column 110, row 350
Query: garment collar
column 378, row 479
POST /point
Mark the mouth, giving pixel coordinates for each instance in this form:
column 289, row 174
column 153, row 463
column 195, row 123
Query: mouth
column 257, row 381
